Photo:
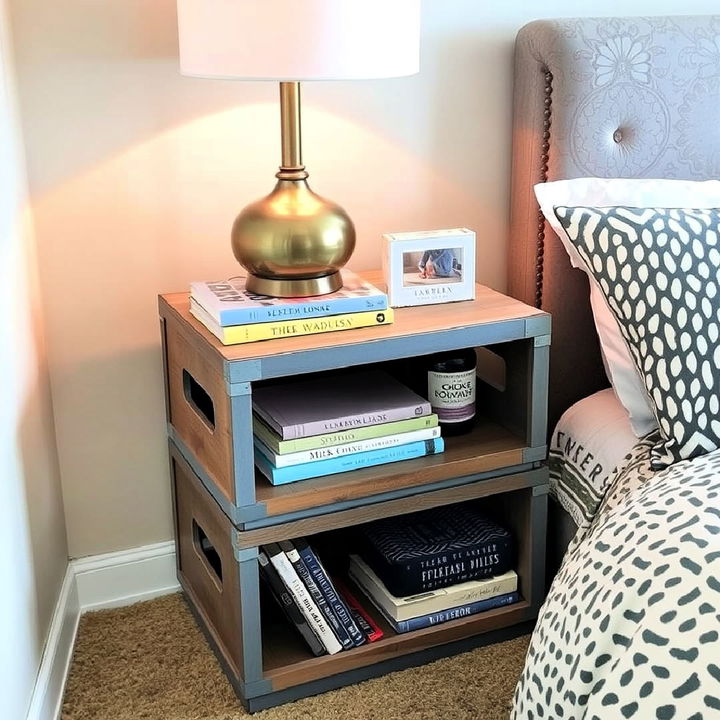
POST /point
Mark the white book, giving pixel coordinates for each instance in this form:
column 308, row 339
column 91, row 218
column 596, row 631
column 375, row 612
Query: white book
column 333, row 451
column 432, row 601
column 309, row 608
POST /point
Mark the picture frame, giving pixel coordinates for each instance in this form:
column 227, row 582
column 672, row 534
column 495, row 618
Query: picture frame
column 429, row 267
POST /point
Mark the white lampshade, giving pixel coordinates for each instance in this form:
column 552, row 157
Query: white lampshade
column 293, row 40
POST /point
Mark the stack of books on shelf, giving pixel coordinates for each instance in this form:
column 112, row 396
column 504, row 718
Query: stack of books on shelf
column 237, row 316
column 437, row 565
column 329, row 424
column 324, row 612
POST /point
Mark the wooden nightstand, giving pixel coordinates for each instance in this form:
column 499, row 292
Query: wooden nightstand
column 224, row 511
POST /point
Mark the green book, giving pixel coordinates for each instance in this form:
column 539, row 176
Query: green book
column 282, row 447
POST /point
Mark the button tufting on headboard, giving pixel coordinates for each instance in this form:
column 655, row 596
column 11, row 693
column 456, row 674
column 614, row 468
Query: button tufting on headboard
column 618, row 136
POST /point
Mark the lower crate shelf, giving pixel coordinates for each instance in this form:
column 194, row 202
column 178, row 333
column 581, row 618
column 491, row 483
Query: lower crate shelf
column 267, row 663
column 287, row 663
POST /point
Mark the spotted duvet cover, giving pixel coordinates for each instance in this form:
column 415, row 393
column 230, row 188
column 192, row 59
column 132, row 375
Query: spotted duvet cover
column 631, row 624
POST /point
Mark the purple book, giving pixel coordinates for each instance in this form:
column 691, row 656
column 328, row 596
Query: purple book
column 321, row 405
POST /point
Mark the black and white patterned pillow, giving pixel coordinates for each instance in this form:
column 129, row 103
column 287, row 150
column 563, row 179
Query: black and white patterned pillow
column 659, row 270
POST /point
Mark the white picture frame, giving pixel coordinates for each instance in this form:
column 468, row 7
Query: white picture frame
column 429, row 267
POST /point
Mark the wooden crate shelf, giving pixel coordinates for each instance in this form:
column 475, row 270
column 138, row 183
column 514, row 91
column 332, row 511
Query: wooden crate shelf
column 220, row 499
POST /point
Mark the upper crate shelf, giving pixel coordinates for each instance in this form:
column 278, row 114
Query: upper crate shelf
column 209, row 401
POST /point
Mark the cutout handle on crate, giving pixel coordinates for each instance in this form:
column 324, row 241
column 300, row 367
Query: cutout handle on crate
column 208, row 554
column 198, row 398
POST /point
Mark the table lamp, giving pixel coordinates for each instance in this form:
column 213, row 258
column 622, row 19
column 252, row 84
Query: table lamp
column 294, row 242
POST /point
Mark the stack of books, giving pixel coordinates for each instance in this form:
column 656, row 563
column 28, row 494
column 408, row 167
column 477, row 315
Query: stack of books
column 330, row 424
column 236, row 316
column 437, row 565
column 324, row 612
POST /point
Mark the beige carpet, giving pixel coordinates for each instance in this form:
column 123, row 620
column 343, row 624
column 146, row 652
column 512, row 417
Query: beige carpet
column 151, row 661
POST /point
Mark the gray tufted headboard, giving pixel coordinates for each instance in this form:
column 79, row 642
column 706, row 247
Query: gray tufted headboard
column 606, row 97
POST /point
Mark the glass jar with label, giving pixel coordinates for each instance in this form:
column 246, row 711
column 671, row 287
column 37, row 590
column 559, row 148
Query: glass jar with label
column 451, row 384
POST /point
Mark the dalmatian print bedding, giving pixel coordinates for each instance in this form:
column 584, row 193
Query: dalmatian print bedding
column 631, row 625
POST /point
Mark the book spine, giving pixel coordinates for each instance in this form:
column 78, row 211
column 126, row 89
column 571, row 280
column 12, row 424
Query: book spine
column 339, row 306
column 284, row 447
column 312, row 561
column 326, row 453
column 288, row 604
column 432, row 601
column 443, row 568
column 373, row 632
column 240, row 334
column 425, row 621
column 310, row 610
column 280, row 476
column 381, row 416
column 317, row 594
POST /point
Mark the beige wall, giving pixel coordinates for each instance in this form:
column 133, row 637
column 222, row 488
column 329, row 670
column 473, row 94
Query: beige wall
column 33, row 547
column 137, row 173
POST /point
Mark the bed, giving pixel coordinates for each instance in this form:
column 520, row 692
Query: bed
column 630, row 624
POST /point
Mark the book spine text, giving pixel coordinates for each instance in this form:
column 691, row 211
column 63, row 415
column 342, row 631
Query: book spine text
column 336, row 602
column 310, row 610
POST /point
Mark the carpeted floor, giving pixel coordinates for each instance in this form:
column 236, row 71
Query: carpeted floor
column 151, row 661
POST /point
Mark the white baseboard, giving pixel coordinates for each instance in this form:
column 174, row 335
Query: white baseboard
column 126, row 577
column 92, row 583
column 55, row 663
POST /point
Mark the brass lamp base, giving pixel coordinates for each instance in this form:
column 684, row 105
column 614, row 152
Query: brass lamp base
column 298, row 287
column 292, row 242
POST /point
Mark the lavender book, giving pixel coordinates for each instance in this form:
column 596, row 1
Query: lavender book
column 331, row 403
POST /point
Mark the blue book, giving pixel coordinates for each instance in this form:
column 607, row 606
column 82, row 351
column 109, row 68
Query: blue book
column 345, row 463
column 316, row 593
column 424, row 621
column 229, row 303
column 323, row 581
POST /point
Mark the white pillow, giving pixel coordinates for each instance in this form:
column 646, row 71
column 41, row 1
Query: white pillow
column 599, row 192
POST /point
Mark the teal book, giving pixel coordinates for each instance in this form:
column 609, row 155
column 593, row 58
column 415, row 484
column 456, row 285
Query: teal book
column 346, row 463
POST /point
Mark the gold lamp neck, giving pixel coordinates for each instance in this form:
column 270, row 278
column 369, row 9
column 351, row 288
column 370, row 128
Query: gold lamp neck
column 292, row 167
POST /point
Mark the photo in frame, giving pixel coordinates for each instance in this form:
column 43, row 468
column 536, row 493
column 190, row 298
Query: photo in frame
column 429, row 267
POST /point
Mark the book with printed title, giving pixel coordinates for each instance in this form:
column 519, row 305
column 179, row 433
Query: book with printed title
column 346, row 463
column 431, row 601
column 335, row 451
column 436, row 548
column 256, row 332
column 331, row 403
column 228, row 302
column 289, row 604
column 425, row 621
column 277, row 445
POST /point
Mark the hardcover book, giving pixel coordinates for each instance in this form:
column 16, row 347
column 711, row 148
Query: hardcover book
column 241, row 334
column 345, row 463
column 324, row 582
column 288, row 604
column 316, row 593
column 334, row 451
column 333, row 403
column 229, row 303
column 372, row 631
column 432, row 601
column 436, row 548
column 425, row 621
column 283, row 447
column 307, row 605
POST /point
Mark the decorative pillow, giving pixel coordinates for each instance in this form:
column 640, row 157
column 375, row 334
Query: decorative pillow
column 659, row 270
column 603, row 192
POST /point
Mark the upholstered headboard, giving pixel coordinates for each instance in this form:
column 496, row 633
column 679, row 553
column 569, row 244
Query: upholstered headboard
column 606, row 97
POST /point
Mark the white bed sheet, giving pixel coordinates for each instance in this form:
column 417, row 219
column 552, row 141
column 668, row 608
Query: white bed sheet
column 590, row 443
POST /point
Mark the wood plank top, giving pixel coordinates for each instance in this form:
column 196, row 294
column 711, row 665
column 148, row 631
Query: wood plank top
column 489, row 306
